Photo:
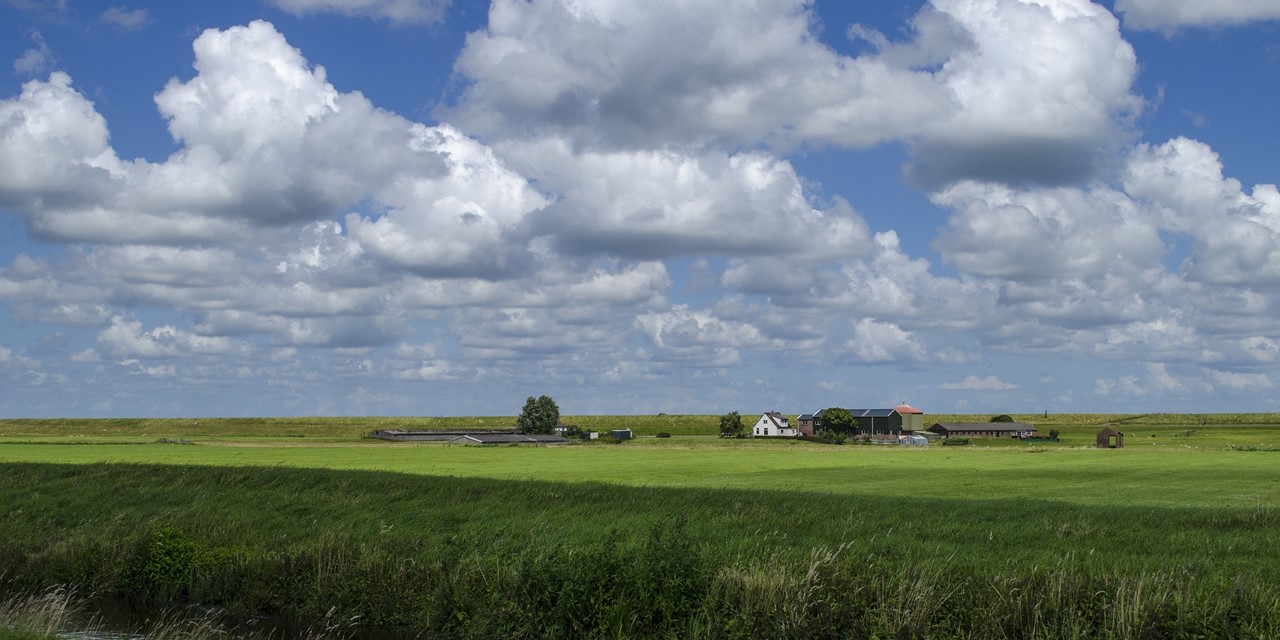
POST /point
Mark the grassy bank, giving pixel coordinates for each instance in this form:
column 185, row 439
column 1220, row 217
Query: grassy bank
column 1077, row 428
column 497, row 557
column 343, row 428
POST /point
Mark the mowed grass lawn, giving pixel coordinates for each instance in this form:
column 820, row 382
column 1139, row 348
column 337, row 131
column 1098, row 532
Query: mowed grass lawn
column 1176, row 477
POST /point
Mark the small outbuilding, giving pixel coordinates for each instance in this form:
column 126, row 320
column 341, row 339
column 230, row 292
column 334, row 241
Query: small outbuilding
column 913, row 441
column 912, row 418
column 1109, row 438
column 620, row 434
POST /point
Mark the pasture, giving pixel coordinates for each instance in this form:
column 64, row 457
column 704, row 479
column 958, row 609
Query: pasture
column 691, row 536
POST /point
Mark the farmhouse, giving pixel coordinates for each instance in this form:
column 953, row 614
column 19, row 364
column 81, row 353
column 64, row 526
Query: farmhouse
column 809, row 423
column 983, row 429
column 773, row 424
column 870, row 421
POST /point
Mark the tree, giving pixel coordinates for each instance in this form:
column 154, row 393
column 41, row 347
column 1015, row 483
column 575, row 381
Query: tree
column 1001, row 418
column 839, row 420
column 539, row 415
column 731, row 425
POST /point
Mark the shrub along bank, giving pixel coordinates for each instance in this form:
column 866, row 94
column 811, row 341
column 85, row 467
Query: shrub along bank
column 479, row 558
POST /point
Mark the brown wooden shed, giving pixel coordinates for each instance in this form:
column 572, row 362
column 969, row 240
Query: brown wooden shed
column 1109, row 438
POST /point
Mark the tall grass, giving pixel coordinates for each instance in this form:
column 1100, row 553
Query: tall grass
column 40, row 615
column 58, row 613
column 480, row 558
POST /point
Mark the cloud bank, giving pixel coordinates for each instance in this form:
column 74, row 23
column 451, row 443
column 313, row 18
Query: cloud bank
column 604, row 203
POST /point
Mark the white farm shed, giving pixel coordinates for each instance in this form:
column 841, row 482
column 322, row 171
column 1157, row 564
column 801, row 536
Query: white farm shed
column 913, row 441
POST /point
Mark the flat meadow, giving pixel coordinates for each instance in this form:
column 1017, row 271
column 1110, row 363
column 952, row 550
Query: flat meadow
column 686, row 536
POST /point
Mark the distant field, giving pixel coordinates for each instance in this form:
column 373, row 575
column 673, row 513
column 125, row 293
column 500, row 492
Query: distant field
column 343, row 428
column 1173, row 536
column 1143, row 430
column 329, row 427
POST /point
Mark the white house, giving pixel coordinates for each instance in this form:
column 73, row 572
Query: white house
column 772, row 423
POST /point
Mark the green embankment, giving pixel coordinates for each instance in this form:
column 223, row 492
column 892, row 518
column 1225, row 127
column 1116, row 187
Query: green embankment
column 681, row 537
column 332, row 427
column 343, row 429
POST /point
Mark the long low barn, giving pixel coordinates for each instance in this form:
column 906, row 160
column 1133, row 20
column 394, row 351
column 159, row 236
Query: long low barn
column 465, row 437
column 983, row 429
column 510, row 439
column 434, row 435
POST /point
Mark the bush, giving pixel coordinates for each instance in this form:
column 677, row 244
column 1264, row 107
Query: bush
column 663, row 434
column 832, row 437
column 731, row 425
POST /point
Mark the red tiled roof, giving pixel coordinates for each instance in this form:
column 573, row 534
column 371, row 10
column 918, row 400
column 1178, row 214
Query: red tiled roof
column 906, row 408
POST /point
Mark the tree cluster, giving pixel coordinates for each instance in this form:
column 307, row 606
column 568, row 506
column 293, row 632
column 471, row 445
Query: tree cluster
column 539, row 416
column 839, row 420
column 731, row 425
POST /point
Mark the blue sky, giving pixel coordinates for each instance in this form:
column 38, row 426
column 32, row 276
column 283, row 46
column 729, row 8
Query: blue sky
column 425, row 207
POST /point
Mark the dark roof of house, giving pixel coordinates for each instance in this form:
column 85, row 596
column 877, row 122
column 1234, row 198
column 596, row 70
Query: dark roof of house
column 778, row 420
column 857, row 413
column 872, row 413
column 983, row 426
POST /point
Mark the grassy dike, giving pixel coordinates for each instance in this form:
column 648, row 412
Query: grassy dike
column 484, row 557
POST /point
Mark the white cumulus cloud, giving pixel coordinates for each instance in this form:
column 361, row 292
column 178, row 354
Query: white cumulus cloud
column 1169, row 16
column 1000, row 88
column 395, row 11
column 124, row 18
column 974, row 383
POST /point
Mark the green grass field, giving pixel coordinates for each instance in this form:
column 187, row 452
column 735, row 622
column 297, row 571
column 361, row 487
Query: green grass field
column 691, row 536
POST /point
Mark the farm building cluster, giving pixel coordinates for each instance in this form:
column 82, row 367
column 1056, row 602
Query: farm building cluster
column 562, row 435
column 903, row 424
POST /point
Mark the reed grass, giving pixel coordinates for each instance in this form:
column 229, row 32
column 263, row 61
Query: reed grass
column 58, row 613
column 26, row 615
